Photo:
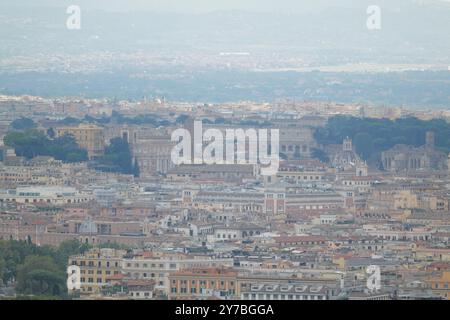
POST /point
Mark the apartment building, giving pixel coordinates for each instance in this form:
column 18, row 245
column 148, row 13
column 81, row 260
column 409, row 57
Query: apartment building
column 96, row 266
column 87, row 136
column 203, row 283
column 158, row 268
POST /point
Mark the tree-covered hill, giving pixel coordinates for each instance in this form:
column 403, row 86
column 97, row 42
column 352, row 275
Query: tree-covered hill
column 372, row 136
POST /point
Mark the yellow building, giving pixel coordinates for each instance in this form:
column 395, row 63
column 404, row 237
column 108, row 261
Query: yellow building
column 431, row 254
column 87, row 136
column 96, row 266
column 440, row 285
column 203, row 283
column 405, row 199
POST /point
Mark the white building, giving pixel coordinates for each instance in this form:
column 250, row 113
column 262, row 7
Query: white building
column 55, row 195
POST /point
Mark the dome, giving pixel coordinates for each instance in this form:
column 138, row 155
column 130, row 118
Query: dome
column 88, row 227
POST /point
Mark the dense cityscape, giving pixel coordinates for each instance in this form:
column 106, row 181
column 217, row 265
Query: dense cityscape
column 190, row 152
column 95, row 180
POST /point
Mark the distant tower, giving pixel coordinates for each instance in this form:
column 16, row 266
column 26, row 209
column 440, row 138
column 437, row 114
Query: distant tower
column 362, row 112
column 448, row 162
column 362, row 169
column 429, row 139
column 347, row 144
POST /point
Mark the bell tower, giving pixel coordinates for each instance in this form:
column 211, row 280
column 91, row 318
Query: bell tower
column 347, row 144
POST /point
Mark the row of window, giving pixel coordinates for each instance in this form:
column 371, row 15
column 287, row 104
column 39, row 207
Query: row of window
column 99, row 272
column 152, row 265
column 194, row 291
column 93, row 264
column 291, row 148
column 261, row 296
column 202, row 282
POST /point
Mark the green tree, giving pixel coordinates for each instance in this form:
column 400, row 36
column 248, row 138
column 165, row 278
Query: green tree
column 32, row 143
column 51, row 132
column 68, row 248
column 2, row 269
column 181, row 119
column 23, row 124
column 372, row 136
column 39, row 275
column 363, row 144
column 319, row 154
column 70, row 121
column 29, row 143
column 117, row 158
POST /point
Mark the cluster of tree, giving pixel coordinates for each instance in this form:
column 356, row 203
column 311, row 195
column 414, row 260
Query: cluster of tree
column 320, row 155
column 152, row 119
column 31, row 143
column 117, row 117
column 372, row 136
column 253, row 123
column 117, row 158
column 37, row 270
column 155, row 120
column 23, row 124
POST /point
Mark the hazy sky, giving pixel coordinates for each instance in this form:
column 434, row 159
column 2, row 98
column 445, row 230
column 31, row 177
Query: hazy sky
column 412, row 30
column 190, row 6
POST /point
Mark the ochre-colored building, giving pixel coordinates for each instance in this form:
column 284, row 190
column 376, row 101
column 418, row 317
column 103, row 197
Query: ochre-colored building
column 87, row 136
column 96, row 266
column 440, row 285
column 203, row 283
